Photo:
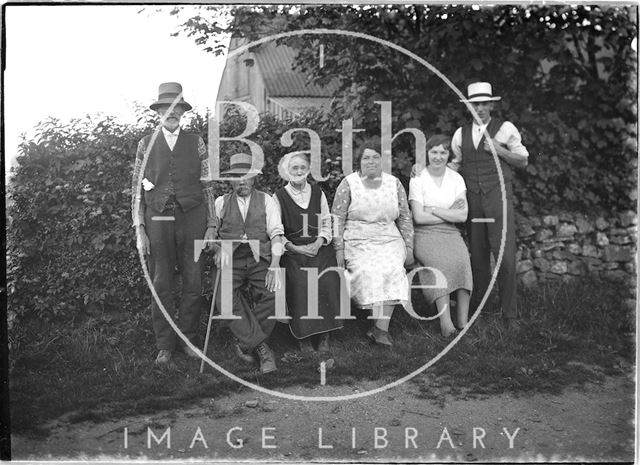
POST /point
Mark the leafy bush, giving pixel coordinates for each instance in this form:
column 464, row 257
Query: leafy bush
column 71, row 248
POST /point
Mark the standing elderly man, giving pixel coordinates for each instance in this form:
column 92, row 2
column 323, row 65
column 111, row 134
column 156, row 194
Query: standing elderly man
column 247, row 214
column 473, row 151
column 175, row 210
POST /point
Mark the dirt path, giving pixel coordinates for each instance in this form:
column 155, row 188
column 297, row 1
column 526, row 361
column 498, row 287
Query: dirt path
column 590, row 423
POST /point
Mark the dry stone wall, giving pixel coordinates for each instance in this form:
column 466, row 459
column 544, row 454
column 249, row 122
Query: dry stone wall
column 569, row 246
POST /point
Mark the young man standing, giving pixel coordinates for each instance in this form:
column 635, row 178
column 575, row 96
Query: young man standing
column 473, row 153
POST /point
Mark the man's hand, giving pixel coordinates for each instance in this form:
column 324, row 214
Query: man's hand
column 340, row 258
column 221, row 258
column 516, row 160
column 142, row 240
column 415, row 169
column 272, row 280
column 500, row 147
column 210, row 235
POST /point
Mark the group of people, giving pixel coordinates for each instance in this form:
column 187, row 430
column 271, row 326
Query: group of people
column 372, row 231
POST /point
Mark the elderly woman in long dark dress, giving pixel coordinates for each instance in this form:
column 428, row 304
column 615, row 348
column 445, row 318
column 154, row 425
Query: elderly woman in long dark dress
column 373, row 238
column 307, row 230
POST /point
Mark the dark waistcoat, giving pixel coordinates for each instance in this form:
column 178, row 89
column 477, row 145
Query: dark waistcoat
column 254, row 225
column 293, row 219
column 181, row 166
column 478, row 166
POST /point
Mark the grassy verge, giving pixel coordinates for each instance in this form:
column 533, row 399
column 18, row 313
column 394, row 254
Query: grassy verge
column 103, row 368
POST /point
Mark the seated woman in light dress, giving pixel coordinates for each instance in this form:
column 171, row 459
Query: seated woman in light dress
column 438, row 200
column 307, row 231
column 373, row 239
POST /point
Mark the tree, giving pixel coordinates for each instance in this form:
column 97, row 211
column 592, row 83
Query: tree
column 566, row 73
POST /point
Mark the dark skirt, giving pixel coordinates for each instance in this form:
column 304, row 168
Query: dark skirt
column 328, row 292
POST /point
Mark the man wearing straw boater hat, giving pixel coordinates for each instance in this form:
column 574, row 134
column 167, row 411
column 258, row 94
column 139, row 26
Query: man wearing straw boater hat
column 175, row 209
column 247, row 214
column 473, row 152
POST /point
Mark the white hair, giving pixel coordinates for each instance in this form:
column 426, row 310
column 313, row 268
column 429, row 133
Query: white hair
column 283, row 164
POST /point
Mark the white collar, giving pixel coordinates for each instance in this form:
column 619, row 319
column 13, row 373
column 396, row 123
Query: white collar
column 295, row 190
column 168, row 133
column 482, row 125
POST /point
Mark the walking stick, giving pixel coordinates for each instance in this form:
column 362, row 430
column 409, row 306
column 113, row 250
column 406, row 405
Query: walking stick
column 213, row 304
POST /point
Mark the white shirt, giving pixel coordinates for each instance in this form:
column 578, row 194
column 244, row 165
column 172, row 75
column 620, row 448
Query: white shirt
column 426, row 192
column 508, row 134
column 302, row 199
column 274, row 223
column 170, row 137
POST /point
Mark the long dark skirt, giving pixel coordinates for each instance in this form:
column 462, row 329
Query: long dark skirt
column 328, row 293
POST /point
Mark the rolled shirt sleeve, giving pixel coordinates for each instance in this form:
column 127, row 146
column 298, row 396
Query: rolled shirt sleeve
column 274, row 221
column 136, row 191
column 510, row 136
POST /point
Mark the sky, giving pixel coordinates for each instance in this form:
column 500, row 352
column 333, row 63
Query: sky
column 70, row 61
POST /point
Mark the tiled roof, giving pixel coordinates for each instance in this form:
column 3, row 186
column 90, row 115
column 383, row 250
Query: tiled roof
column 297, row 105
column 275, row 63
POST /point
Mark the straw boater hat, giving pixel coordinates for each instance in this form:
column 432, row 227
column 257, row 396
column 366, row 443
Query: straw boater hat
column 241, row 165
column 169, row 92
column 480, row 92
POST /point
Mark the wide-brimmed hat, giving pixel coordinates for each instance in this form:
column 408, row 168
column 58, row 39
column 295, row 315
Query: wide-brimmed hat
column 240, row 165
column 480, row 92
column 169, row 92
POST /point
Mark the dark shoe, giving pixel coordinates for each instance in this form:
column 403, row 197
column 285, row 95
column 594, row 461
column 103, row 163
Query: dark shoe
column 164, row 358
column 245, row 357
column 512, row 324
column 323, row 344
column 380, row 337
column 189, row 352
column 267, row 359
column 305, row 346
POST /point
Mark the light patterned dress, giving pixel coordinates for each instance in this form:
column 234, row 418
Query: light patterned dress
column 374, row 228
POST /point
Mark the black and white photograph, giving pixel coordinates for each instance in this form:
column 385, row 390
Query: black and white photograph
column 320, row 233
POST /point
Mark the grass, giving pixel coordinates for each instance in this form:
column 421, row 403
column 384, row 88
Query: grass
column 103, row 368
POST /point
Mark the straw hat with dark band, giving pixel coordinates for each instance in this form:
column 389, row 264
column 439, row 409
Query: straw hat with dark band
column 240, row 165
column 480, row 92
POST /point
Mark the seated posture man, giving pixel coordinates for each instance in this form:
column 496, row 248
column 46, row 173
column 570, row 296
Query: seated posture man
column 472, row 149
column 243, row 215
column 175, row 210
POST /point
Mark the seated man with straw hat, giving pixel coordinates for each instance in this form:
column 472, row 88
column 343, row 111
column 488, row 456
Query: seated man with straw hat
column 247, row 214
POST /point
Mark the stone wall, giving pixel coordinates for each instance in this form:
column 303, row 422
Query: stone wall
column 568, row 246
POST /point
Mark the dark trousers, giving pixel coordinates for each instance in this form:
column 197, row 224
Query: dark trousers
column 253, row 327
column 485, row 239
column 172, row 243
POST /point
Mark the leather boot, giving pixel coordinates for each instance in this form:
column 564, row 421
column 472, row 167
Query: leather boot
column 267, row 358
